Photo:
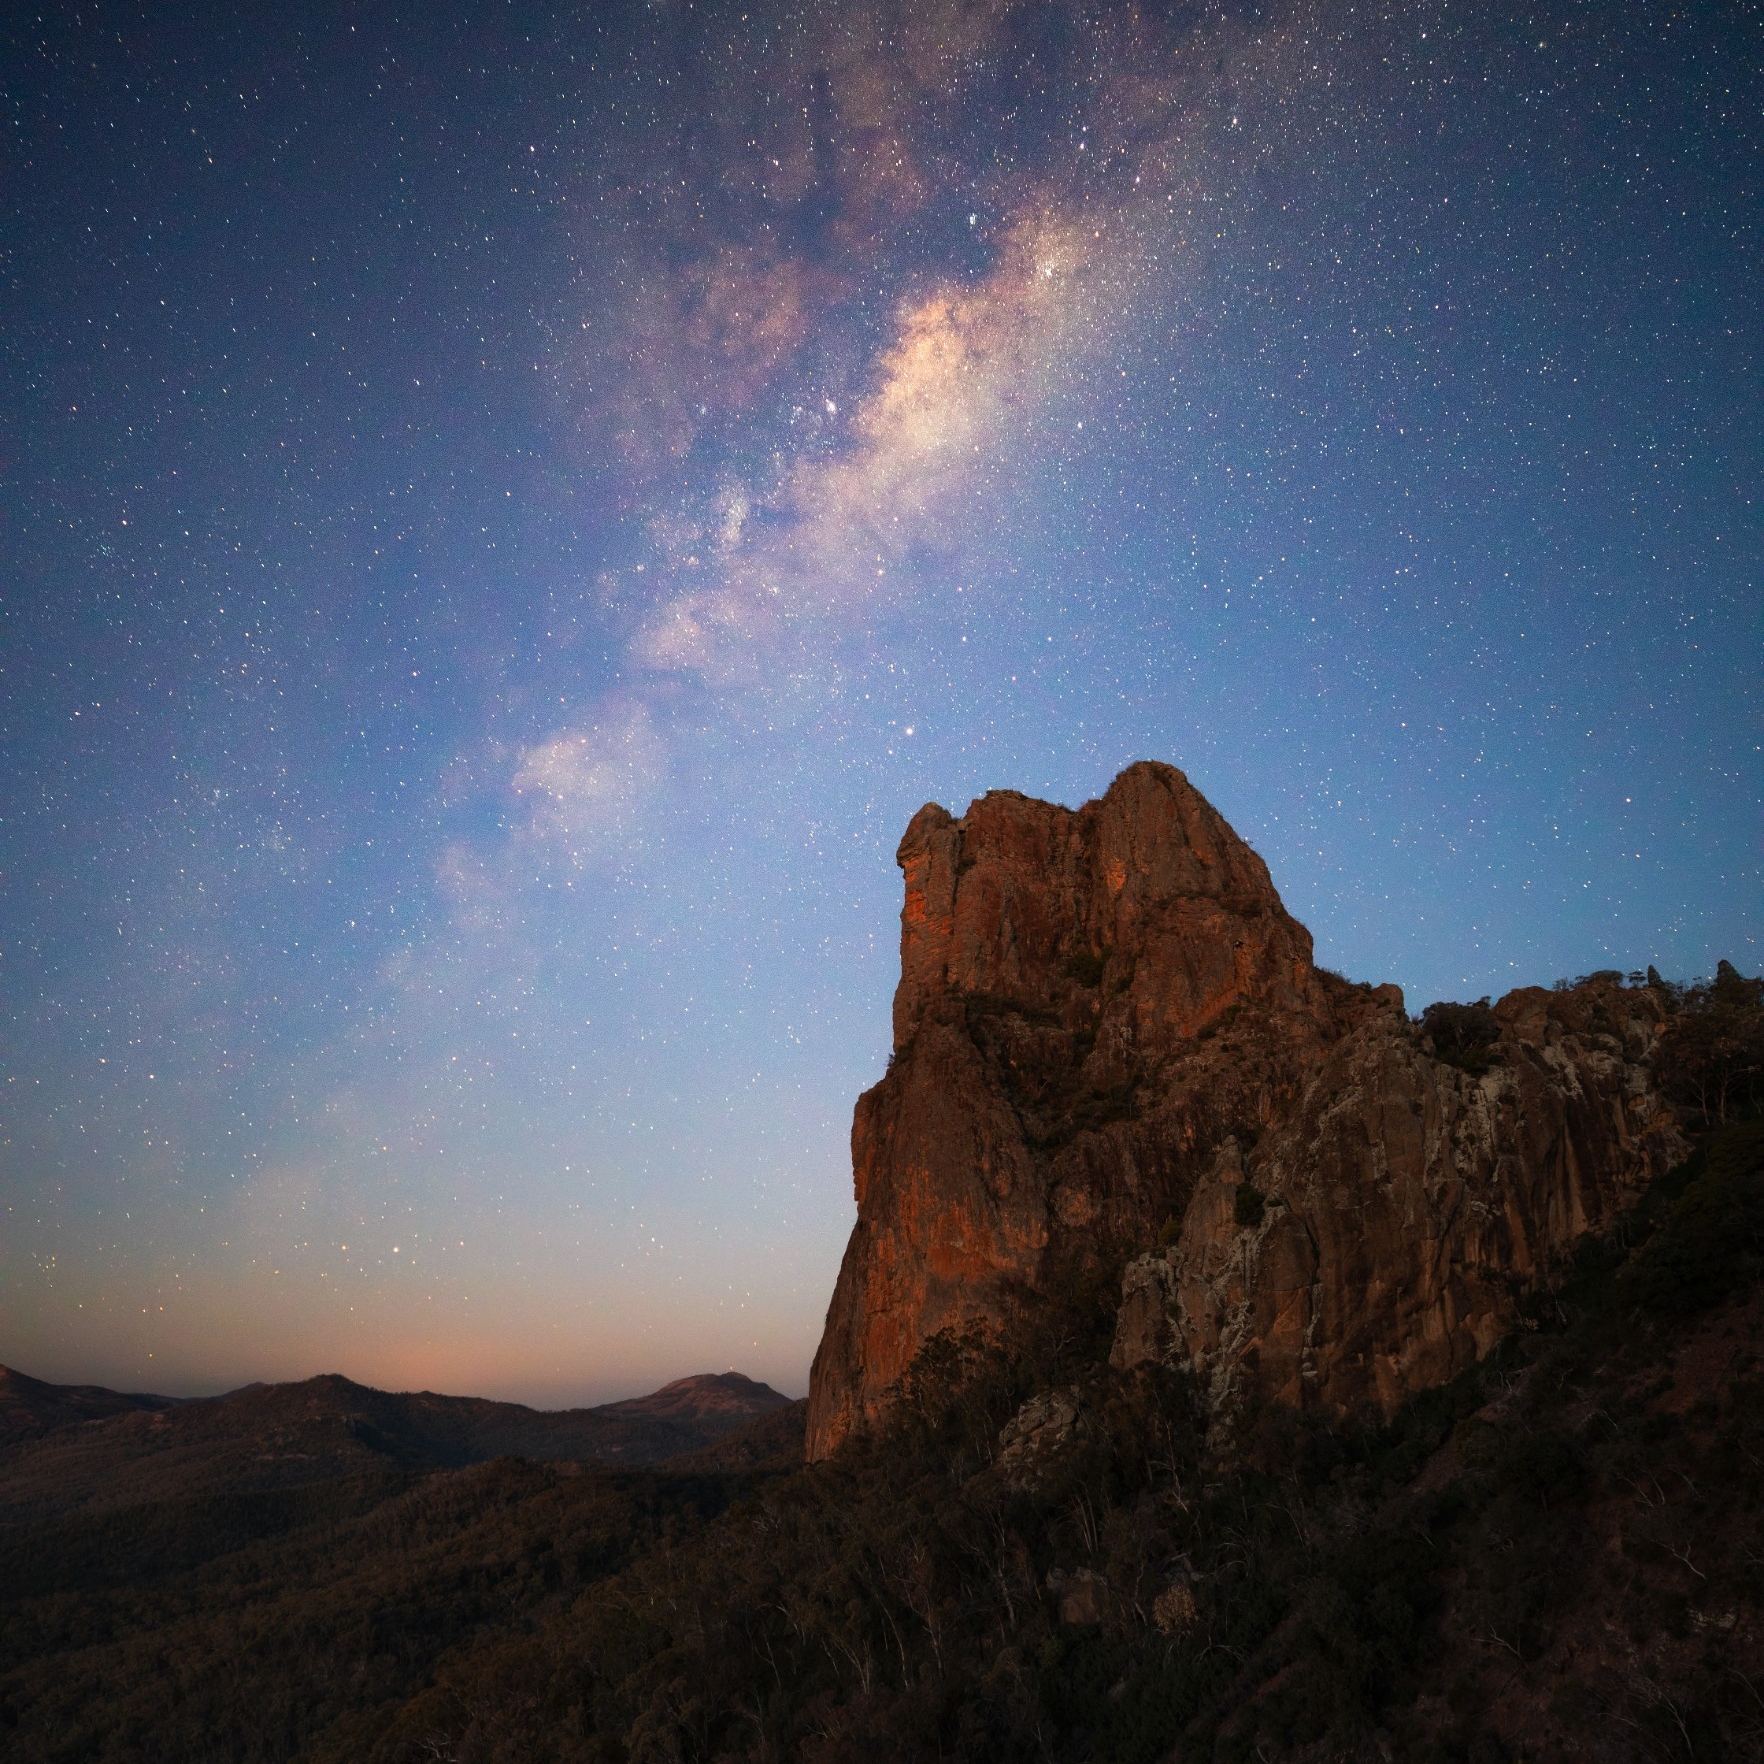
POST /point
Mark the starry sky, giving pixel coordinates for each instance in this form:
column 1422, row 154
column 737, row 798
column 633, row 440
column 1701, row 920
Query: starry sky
column 507, row 509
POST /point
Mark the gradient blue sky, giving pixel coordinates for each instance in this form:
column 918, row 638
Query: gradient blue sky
column 506, row 515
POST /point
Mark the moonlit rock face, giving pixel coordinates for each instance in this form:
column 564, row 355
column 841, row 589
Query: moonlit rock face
column 1018, row 896
column 1107, row 1023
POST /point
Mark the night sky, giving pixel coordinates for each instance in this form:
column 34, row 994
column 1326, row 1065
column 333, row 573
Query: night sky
column 508, row 509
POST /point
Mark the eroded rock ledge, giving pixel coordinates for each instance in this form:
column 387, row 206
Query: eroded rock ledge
column 1107, row 1020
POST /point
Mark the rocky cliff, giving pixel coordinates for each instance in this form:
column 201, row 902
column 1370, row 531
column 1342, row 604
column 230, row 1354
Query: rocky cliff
column 1108, row 1028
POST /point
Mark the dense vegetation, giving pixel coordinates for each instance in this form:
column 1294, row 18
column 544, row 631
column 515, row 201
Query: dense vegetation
column 1711, row 1060
column 1560, row 1555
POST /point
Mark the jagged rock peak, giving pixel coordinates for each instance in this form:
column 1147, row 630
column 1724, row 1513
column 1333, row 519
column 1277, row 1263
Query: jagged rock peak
column 1020, row 897
column 1064, row 975
column 1108, row 1023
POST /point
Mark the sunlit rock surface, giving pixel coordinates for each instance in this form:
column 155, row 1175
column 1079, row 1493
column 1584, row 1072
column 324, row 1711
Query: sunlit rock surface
column 1404, row 1206
column 1107, row 1023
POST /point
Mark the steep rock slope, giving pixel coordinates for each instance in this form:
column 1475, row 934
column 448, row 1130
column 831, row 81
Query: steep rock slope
column 1372, row 1245
column 1106, row 1019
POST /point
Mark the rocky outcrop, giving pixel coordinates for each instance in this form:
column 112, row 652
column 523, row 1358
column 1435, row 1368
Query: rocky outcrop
column 1107, row 1020
column 1039, row 1432
column 1375, row 1242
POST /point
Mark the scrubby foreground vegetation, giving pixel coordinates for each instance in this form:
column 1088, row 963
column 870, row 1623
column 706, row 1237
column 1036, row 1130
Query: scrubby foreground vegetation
column 1561, row 1555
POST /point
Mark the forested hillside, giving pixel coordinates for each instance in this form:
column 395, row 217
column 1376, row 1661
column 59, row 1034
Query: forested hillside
column 1559, row 1555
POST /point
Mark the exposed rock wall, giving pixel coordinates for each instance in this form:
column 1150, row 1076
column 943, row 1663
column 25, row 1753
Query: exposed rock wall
column 1107, row 1018
column 1403, row 1207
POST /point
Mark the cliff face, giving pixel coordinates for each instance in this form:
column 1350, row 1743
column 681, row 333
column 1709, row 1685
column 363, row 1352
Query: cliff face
column 1106, row 1019
column 1373, row 1243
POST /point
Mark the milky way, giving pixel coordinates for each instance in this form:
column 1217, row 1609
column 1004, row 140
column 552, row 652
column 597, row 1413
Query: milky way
column 507, row 518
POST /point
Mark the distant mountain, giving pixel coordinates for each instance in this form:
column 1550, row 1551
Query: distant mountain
column 30, row 1408
column 79, row 1448
column 772, row 1443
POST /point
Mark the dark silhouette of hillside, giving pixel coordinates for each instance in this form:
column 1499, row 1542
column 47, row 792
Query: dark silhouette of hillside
column 82, row 1449
column 29, row 1408
column 1556, row 1556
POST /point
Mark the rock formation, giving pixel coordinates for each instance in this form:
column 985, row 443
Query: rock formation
column 1107, row 1020
column 1372, row 1244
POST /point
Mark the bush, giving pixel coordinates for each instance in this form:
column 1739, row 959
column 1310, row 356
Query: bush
column 1711, row 1058
column 1463, row 1035
column 1713, row 1239
column 1086, row 966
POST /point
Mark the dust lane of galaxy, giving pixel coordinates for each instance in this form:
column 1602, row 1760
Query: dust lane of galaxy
column 507, row 514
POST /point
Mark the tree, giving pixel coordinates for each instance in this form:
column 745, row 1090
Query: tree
column 1711, row 1058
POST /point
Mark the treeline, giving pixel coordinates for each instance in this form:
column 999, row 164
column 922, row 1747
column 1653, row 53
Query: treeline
column 1710, row 1061
column 1711, row 1058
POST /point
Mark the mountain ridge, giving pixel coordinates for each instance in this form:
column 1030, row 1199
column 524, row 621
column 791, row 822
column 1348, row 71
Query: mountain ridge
column 30, row 1407
column 93, row 1449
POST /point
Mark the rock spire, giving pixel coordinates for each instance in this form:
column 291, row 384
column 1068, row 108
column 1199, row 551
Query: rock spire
column 1108, row 1023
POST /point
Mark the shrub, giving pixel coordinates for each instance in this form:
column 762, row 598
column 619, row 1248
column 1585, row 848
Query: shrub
column 1086, row 966
column 1711, row 1058
column 1713, row 1239
column 1463, row 1035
